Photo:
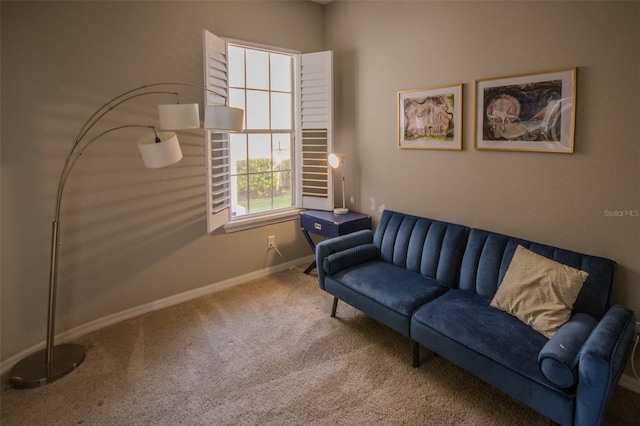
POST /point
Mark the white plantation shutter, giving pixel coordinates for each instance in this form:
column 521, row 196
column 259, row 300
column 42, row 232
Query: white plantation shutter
column 217, row 144
column 315, row 129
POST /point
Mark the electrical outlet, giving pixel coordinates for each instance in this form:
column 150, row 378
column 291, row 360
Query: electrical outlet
column 271, row 241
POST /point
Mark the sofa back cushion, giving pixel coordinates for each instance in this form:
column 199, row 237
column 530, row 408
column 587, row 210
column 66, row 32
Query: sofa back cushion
column 429, row 247
column 489, row 254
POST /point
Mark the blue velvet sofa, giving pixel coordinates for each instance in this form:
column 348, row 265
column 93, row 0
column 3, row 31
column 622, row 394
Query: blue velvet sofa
column 433, row 282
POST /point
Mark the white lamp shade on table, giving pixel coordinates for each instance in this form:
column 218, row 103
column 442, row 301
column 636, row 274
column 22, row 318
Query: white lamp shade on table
column 223, row 118
column 335, row 160
column 179, row 116
column 160, row 154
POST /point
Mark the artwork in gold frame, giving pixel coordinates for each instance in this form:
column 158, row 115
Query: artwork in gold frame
column 430, row 118
column 526, row 112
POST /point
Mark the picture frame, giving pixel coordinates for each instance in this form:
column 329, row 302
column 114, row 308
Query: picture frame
column 430, row 118
column 526, row 112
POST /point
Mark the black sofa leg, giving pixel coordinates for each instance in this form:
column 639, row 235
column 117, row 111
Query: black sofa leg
column 416, row 354
column 334, row 307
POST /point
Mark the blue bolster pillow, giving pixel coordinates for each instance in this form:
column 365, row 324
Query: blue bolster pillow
column 558, row 358
column 349, row 257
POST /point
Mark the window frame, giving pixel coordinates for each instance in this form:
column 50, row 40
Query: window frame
column 285, row 213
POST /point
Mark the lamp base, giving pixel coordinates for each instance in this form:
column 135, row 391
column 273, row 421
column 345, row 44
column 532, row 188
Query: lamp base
column 31, row 372
column 340, row 210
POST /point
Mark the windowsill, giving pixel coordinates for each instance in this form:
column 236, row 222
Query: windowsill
column 241, row 224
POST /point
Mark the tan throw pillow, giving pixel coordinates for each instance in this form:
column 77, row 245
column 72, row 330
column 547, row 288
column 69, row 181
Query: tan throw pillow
column 539, row 291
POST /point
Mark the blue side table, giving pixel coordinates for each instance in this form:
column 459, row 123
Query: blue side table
column 329, row 225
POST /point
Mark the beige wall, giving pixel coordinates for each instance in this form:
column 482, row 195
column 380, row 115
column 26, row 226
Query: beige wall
column 559, row 199
column 130, row 235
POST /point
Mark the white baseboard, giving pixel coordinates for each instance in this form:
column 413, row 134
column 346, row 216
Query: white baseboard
column 100, row 323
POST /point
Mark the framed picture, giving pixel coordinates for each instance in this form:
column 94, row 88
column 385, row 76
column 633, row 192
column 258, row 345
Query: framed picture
column 430, row 118
column 527, row 112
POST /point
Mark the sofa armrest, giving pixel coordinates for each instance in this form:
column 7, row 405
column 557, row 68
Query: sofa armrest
column 334, row 245
column 558, row 359
column 350, row 257
column 601, row 364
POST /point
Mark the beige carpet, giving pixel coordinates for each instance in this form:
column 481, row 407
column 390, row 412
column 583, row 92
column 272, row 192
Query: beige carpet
column 267, row 353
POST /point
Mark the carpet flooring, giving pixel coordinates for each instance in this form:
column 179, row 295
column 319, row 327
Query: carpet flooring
column 267, row 353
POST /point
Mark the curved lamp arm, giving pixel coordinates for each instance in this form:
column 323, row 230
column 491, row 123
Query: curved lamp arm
column 71, row 160
column 86, row 127
column 104, row 110
column 109, row 105
column 99, row 114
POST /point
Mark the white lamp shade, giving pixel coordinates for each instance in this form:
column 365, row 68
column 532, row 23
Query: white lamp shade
column 160, row 154
column 179, row 116
column 223, row 118
column 335, row 160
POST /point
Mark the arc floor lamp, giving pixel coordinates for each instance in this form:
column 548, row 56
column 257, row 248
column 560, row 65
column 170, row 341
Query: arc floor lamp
column 159, row 149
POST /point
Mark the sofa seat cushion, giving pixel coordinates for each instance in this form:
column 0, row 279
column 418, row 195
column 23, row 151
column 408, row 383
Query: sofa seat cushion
column 468, row 319
column 391, row 286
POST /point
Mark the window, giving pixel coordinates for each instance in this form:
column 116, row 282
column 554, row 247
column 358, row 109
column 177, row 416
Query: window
column 261, row 82
column 279, row 162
